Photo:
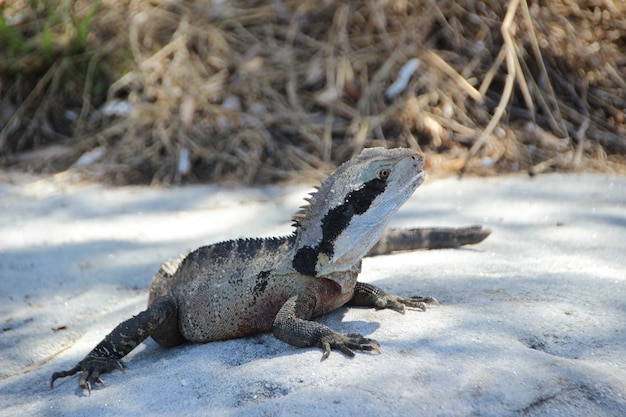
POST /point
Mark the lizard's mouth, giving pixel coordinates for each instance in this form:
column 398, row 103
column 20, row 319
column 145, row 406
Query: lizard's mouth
column 418, row 179
column 408, row 188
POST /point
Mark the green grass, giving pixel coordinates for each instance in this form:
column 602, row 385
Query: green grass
column 43, row 35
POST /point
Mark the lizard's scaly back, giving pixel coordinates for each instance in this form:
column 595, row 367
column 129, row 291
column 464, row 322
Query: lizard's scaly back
column 349, row 211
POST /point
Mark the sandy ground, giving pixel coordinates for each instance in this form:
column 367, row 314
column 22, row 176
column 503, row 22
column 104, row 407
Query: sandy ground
column 532, row 321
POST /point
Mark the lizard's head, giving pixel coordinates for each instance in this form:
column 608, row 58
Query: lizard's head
column 350, row 210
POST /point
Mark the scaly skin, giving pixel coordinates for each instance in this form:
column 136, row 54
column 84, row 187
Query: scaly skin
column 248, row 286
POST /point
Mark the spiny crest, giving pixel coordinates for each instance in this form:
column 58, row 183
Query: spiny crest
column 316, row 199
column 299, row 215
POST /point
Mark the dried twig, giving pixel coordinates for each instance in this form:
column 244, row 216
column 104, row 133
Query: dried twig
column 235, row 93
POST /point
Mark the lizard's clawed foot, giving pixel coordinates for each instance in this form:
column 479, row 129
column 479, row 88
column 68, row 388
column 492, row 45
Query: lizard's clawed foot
column 91, row 368
column 397, row 303
column 347, row 343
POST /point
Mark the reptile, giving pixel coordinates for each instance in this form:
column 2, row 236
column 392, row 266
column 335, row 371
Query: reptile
column 244, row 287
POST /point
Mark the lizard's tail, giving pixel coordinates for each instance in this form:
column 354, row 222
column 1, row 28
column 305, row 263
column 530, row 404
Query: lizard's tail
column 394, row 240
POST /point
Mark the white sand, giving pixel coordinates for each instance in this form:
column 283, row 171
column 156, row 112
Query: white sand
column 532, row 321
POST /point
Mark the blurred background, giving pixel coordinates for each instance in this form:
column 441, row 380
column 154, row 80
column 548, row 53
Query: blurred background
column 168, row 92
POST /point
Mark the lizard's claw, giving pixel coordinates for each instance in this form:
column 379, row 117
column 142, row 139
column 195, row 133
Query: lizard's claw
column 346, row 343
column 90, row 368
column 397, row 303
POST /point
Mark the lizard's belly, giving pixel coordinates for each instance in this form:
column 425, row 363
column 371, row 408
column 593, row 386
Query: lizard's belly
column 227, row 310
column 220, row 309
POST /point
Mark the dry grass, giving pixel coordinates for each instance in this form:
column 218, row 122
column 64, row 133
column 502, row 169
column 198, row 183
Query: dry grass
column 262, row 91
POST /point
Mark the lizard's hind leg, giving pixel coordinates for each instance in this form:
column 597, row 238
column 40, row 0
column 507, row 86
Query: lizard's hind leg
column 106, row 356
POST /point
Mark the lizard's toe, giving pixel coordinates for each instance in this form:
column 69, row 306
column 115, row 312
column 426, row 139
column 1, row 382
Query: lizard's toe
column 63, row 374
column 87, row 377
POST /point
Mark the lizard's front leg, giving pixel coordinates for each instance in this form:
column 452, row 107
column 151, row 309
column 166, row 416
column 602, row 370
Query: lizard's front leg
column 368, row 295
column 106, row 356
column 292, row 326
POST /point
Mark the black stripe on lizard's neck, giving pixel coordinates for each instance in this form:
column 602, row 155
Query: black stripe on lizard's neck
column 335, row 222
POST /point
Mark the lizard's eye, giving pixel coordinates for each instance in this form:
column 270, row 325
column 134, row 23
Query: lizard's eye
column 384, row 173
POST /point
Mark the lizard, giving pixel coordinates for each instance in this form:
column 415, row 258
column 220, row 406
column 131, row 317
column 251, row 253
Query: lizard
column 243, row 287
